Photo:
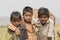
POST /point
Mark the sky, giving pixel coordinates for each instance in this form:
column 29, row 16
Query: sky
column 7, row 6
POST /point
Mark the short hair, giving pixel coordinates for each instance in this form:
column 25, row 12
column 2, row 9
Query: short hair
column 27, row 9
column 43, row 11
column 15, row 15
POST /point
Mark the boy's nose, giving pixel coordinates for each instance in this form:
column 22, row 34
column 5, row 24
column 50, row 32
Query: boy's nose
column 43, row 18
column 16, row 22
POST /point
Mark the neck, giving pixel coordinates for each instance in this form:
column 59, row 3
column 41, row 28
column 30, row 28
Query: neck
column 28, row 22
column 42, row 24
column 24, row 22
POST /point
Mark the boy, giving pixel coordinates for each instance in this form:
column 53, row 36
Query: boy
column 15, row 22
column 27, row 17
column 46, row 26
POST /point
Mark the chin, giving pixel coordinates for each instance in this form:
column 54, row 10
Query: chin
column 43, row 22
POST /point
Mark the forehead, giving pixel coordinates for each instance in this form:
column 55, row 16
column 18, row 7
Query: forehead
column 43, row 16
column 28, row 13
column 15, row 19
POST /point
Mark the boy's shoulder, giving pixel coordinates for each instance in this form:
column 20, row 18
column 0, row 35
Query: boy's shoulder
column 50, row 21
column 11, row 26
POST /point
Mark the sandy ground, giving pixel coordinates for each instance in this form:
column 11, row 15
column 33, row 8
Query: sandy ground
column 57, row 28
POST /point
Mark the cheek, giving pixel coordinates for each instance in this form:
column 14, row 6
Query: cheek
column 43, row 19
column 30, row 17
column 46, row 19
column 24, row 17
column 14, row 24
column 17, row 23
column 27, row 18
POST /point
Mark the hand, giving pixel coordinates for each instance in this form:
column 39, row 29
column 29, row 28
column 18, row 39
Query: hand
column 17, row 31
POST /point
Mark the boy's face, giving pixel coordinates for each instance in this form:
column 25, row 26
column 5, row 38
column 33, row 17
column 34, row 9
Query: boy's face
column 43, row 19
column 16, row 22
column 27, row 17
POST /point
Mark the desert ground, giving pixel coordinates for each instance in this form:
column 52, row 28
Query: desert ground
column 4, row 35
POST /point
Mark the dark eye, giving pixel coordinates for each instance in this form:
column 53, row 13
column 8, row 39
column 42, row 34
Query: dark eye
column 26, row 15
column 45, row 17
column 41, row 17
column 30, row 15
column 13, row 20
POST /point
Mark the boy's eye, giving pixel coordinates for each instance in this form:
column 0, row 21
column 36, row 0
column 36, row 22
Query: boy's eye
column 43, row 17
column 28, row 15
column 15, row 20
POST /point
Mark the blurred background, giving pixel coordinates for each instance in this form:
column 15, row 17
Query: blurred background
column 7, row 6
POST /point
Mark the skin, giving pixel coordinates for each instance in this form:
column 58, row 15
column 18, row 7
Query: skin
column 30, row 30
column 16, row 23
column 43, row 19
column 27, row 17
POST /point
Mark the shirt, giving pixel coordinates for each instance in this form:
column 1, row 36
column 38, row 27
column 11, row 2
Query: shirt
column 47, row 30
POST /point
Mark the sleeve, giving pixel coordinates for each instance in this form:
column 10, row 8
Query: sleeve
column 12, row 27
column 51, row 29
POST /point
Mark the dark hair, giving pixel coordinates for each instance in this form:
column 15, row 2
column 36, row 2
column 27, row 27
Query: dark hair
column 15, row 15
column 28, row 9
column 43, row 11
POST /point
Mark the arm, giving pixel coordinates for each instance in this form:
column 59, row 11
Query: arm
column 51, row 30
column 17, row 31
